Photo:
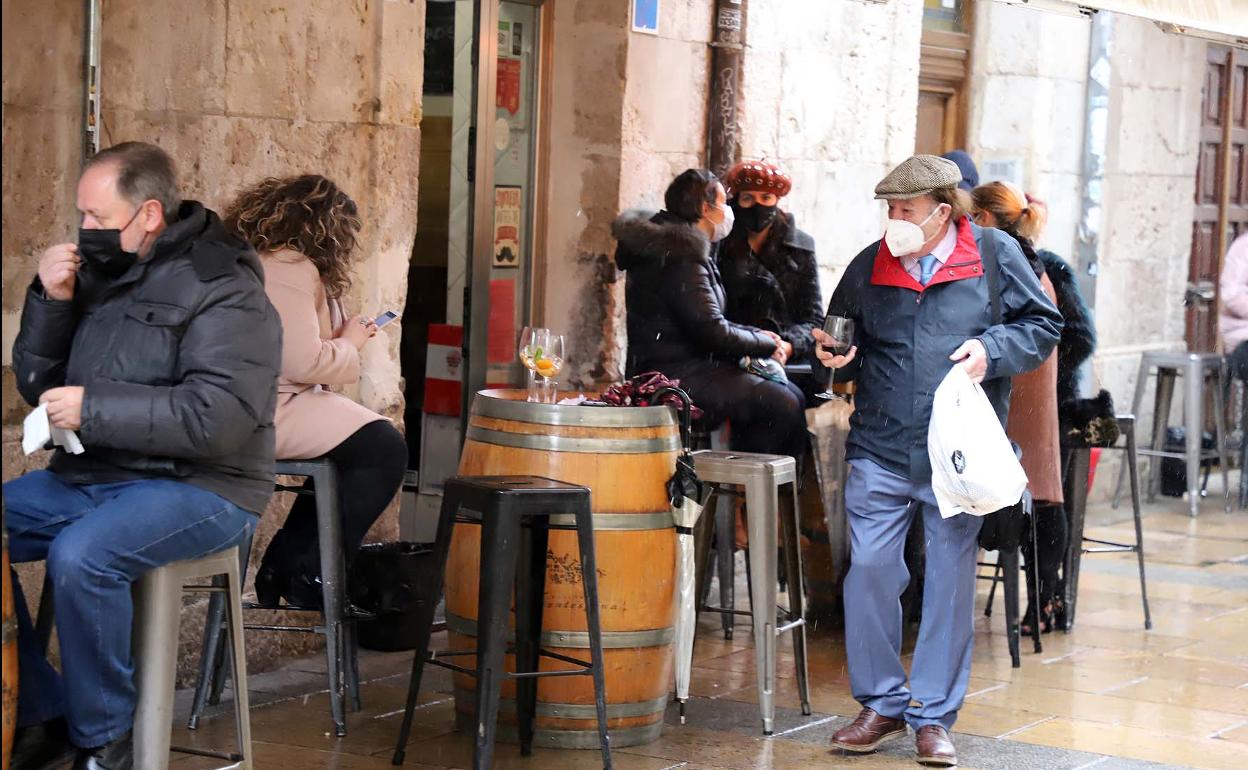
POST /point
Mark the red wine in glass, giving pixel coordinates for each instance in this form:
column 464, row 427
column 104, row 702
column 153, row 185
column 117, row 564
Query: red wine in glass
column 841, row 330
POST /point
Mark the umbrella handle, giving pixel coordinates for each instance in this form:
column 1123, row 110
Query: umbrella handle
column 686, row 414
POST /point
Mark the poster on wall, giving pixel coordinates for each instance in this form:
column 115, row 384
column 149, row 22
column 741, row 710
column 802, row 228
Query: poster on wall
column 508, row 85
column 507, row 226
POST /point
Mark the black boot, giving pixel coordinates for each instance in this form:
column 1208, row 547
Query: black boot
column 42, row 746
column 303, row 584
column 274, row 572
column 116, row 755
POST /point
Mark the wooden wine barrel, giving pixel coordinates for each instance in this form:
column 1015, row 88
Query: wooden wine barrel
column 9, row 637
column 625, row 456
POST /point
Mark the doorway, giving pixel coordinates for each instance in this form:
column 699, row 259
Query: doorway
column 944, row 70
column 471, row 275
column 1221, row 187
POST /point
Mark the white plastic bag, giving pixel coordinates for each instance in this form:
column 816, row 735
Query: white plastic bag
column 974, row 468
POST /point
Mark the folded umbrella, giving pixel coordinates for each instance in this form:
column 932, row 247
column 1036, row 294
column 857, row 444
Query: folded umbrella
column 687, row 495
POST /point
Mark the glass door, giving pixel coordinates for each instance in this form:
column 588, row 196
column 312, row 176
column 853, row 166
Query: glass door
column 472, row 268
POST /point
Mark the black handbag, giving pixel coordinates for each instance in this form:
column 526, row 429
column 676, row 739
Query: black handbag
column 1089, row 422
column 1003, row 530
column 393, row 582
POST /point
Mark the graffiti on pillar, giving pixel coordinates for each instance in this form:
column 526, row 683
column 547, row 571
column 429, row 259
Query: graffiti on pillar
column 724, row 114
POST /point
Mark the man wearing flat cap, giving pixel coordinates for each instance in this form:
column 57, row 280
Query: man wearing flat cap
column 922, row 301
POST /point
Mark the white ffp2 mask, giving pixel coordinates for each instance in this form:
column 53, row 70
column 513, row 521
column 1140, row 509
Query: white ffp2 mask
column 903, row 237
column 724, row 226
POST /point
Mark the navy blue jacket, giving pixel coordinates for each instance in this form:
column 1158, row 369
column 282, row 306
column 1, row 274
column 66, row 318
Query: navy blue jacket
column 905, row 333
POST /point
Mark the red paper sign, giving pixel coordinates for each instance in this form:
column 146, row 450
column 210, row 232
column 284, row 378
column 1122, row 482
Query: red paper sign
column 508, row 85
column 502, row 322
column 443, row 370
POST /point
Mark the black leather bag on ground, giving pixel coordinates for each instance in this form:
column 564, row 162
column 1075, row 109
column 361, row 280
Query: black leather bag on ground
column 1174, row 470
column 392, row 581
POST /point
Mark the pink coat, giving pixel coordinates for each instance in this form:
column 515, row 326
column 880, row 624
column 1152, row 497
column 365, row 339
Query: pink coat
column 311, row 419
column 1233, row 321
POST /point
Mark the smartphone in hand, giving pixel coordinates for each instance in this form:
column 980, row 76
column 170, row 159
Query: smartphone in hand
column 386, row 318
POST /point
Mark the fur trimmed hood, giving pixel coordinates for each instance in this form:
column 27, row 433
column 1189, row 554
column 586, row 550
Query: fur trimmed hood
column 648, row 239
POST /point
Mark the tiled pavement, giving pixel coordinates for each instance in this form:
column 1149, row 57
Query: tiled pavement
column 1109, row 695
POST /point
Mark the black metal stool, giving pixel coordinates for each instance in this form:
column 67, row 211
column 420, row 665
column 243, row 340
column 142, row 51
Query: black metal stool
column 1076, row 506
column 514, row 514
column 337, row 617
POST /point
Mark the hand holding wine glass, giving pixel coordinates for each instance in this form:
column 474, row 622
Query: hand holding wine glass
column 836, row 347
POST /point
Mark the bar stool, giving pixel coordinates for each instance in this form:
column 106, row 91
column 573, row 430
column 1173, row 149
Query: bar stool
column 1195, row 368
column 1076, row 505
column 157, row 609
column 762, row 476
column 337, row 617
column 514, row 513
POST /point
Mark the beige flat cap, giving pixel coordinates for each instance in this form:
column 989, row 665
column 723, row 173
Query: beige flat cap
column 918, row 175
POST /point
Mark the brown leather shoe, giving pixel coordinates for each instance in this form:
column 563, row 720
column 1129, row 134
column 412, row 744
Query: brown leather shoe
column 933, row 747
column 868, row 732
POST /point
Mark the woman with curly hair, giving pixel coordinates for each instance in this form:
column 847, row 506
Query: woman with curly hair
column 304, row 228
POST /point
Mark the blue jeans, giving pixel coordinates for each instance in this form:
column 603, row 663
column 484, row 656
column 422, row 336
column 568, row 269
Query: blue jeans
column 880, row 505
column 97, row 540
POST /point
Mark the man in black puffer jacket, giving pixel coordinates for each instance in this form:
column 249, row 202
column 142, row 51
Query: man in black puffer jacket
column 152, row 338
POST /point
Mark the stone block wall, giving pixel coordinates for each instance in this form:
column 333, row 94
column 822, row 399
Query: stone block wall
column 1150, row 182
column 1028, row 99
column 837, row 109
column 245, row 91
column 1028, row 93
column 830, row 92
column 587, row 85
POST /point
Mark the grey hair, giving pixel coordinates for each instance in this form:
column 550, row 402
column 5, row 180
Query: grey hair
column 144, row 172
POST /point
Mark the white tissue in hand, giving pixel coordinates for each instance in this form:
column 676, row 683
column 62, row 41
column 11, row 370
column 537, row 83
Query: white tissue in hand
column 68, row 439
column 37, row 431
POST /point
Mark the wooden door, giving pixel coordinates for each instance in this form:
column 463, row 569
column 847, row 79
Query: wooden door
column 943, row 73
column 1221, row 187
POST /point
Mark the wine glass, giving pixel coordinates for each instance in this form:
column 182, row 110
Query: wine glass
column 841, row 330
column 533, row 344
column 547, row 365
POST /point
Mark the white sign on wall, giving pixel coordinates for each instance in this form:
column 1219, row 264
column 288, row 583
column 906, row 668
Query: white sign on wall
column 1002, row 169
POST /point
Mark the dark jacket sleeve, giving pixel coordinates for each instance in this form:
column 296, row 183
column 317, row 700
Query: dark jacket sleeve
column 1078, row 326
column 1031, row 325
column 698, row 311
column 41, row 351
column 846, row 302
column 229, row 358
column 807, row 306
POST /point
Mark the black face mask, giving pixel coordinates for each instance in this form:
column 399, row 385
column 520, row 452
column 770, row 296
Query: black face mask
column 102, row 250
column 755, row 218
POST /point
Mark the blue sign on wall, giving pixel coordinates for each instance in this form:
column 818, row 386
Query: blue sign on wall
column 646, row 16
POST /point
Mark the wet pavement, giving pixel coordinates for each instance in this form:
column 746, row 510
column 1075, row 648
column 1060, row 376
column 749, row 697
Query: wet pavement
column 1108, row 695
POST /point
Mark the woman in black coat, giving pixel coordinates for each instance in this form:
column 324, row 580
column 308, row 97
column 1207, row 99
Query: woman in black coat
column 770, row 273
column 676, row 322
